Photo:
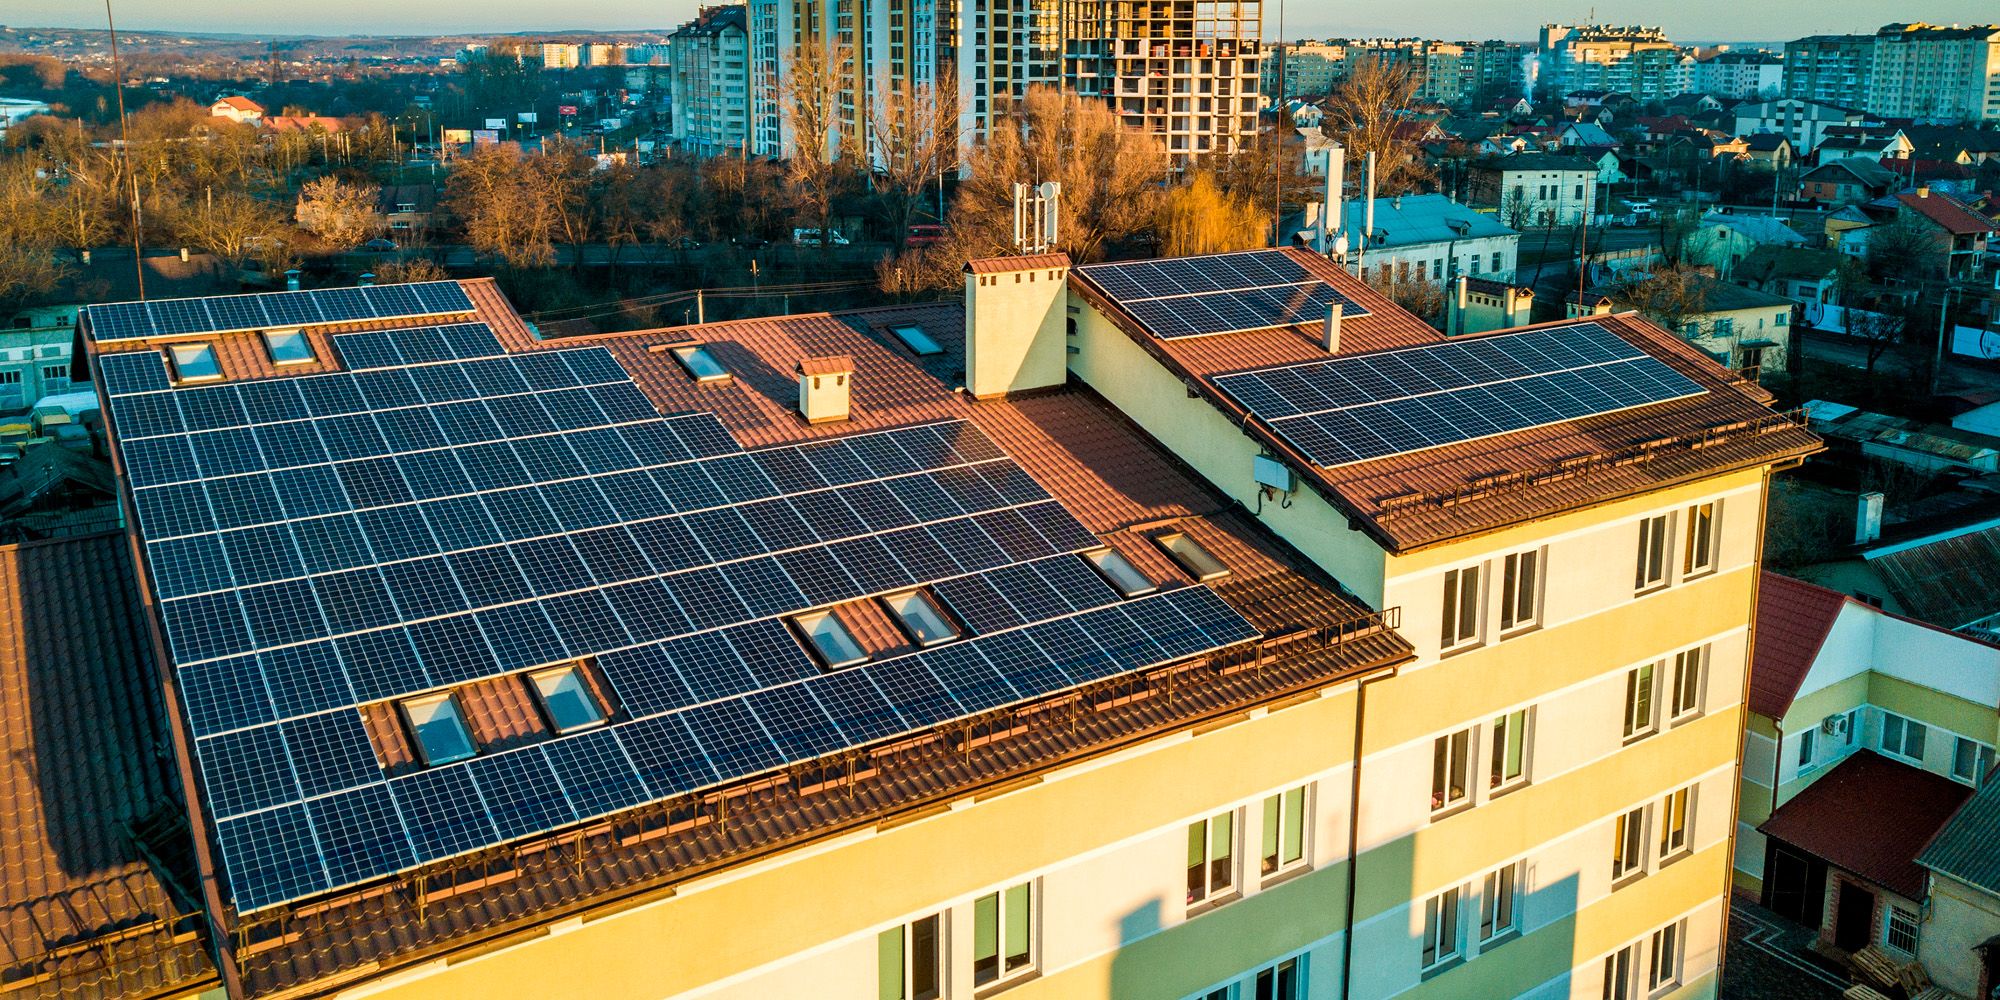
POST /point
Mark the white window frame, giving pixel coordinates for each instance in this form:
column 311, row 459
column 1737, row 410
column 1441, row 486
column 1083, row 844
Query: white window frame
column 1452, row 756
column 1699, row 555
column 1443, row 940
column 1966, row 751
column 699, row 364
column 1521, row 578
column 1005, row 905
column 1501, row 729
column 910, row 607
column 1686, row 694
column 1655, row 553
column 1119, row 572
column 1630, row 836
column 1460, row 615
column 1501, row 888
column 1209, row 892
column 1641, row 717
column 1808, row 749
column 1665, row 950
column 1191, row 556
column 1621, row 973
column 1273, row 974
column 1890, row 930
column 447, row 704
column 1676, row 826
column 1282, row 812
column 271, row 346
column 180, row 356
column 567, row 672
column 905, row 941
column 810, row 625
column 1906, row 728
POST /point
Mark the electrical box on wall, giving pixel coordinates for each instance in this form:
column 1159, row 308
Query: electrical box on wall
column 1271, row 473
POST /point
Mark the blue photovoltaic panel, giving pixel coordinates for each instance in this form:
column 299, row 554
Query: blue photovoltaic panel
column 268, row 310
column 1219, row 293
column 119, row 321
column 337, row 538
column 1352, row 409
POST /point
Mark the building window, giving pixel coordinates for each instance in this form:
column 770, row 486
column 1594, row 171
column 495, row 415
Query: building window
column 1690, row 669
column 566, row 698
column 287, row 347
column 1904, row 737
column 1499, row 904
column 1283, row 981
column 1808, row 748
column 195, row 362
column 1510, row 750
column 921, row 618
column 1674, row 823
column 441, row 734
column 1451, row 770
column 1699, row 553
column 53, row 373
column 1003, row 934
column 1665, row 957
column 1971, row 761
column 910, row 960
column 1496, row 262
column 1461, row 607
column 1640, row 720
column 700, row 365
column 914, row 338
column 1900, row 930
column 1520, row 591
column 1441, row 928
column 1652, row 553
column 1620, row 968
column 1284, row 846
column 1211, row 862
column 1628, row 846
column 1191, row 556
column 1120, row 573
column 830, row 638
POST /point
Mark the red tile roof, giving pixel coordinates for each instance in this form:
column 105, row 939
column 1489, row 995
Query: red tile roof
column 1947, row 212
column 83, row 753
column 1793, row 620
column 1870, row 816
column 1007, row 265
column 839, row 364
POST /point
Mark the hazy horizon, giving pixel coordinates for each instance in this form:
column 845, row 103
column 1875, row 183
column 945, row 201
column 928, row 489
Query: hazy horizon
column 1694, row 21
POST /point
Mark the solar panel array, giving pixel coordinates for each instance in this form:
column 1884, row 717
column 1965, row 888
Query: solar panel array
column 1352, row 409
column 321, row 542
column 268, row 310
column 1218, row 293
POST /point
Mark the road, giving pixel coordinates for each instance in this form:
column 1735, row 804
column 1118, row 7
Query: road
column 1849, row 352
column 1767, row 959
column 1559, row 244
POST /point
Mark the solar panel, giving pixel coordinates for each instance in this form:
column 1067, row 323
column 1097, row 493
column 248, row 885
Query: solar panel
column 268, row 310
column 332, row 539
column 1220, row 293
column 1352, row 409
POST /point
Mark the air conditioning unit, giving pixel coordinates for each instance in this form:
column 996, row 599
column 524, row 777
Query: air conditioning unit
column 1834, row 726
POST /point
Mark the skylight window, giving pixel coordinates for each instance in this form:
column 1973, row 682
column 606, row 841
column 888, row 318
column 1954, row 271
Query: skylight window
column 830, row 638
column 567, row 699
column 1120, row 572
column 1192, row 557
column 700, row 364
column 921, row 618
column 195, row 362
column 442, row 736
column 914, row 338
column 288, row 347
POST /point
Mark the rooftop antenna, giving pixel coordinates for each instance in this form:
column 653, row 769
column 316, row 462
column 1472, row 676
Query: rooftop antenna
column 125, row 152
column 1037, row 216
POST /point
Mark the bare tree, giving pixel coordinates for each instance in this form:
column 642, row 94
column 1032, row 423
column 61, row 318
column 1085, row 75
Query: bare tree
column 1198, row 217
column 342, row 214
column 405, row 270
column 501, row 211
column 1904, row 251
column 913, row 139
column 810, row 104
column 26, row 274
column 1368, row 113
column 1669, row 296
column 1877, row 331
column 234, row 227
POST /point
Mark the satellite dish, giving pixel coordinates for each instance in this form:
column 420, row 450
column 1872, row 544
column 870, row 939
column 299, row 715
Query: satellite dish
column 1340, row 245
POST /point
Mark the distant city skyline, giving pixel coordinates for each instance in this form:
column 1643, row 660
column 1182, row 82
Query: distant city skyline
column 1695, row 20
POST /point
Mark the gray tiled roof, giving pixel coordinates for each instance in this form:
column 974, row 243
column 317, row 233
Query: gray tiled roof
column 1964, row 848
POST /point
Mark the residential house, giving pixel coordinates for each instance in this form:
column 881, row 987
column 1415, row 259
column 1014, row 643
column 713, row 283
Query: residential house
column 1946, row 574
column 1962, row 232
column 1428, row 237
column 1836, row 144
column 1724, row 239
column 1692, row 105
column 1803, row 122
column 982, row 595
column 35, row 355
column 1955, row 143
column 1481, row 305
column 1536, row 188
column 1586, row 134
column 1846, row 220
column 408, row 208
column 1743, row 329
column 1851, row 180
column 237, row 108
column 1767, row 151
column 327, row 124
column 1926, row 447
column 1960, row 939
column 1852, row 710
column 1807, row 277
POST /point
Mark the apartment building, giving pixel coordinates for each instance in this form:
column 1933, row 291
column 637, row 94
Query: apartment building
column 1311, row 69
column 1935, row 73
column 709, row 78
column 1637, row 61
column 1186, row 73
column 1803, row 123
column 1829, row 69
column 35, row 355
column 1049, row 643
column 1740, row 76
column 1427, row 237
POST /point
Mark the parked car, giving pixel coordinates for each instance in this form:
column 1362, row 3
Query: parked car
column 380, row 245
column 925, row 236
column 745, row 240
column 811, row 238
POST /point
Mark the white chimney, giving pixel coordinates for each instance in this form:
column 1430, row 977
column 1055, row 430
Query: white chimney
column 824, row 387
column 1868, row 518
column 1330, row 333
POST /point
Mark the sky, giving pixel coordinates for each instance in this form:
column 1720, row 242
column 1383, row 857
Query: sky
column 1684, row 20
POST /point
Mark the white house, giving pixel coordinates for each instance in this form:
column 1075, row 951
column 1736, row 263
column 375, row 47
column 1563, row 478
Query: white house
column 1431, row 237
column 1803, row 122
column 1536, row 187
